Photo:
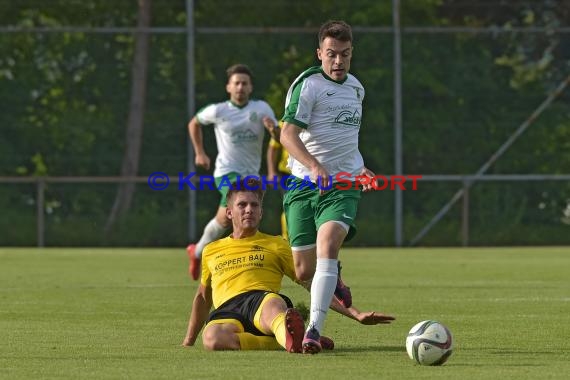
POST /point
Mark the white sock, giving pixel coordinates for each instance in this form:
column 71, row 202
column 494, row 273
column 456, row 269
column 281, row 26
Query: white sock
column 213, row 231
column 322, row 290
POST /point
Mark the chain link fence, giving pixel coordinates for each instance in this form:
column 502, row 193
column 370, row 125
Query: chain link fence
column 462, row 95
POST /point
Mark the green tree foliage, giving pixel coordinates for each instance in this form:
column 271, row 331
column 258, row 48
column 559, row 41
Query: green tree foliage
column 65, row 101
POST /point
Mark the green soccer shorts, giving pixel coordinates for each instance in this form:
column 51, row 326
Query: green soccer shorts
column 223, row 184
column 306, row 210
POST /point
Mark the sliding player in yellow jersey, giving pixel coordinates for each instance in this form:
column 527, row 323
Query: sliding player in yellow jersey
column 241, row 278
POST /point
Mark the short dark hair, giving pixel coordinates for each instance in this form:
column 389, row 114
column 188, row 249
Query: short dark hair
column 247, row 184
column 239, row 68
column 339, row 30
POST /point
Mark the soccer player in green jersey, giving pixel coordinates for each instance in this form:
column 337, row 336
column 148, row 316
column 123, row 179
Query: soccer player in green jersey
column 239, row 125
column 323, row 111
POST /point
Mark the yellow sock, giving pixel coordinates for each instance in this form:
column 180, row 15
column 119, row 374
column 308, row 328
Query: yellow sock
column 284, row 226
column 249, row 341
column 278, row 328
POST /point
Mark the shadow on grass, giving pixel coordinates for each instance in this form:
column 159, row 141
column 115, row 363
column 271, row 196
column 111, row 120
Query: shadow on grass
column 369, row 348
column 453, row 364
column 509, row 353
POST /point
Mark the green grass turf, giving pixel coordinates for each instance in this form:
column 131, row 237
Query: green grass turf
column 103, row 313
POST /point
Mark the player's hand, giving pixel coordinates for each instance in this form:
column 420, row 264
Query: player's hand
column 271, row 127
column 321, row 177
column 188, row 342
column 203, row 161
column 365, row 179
column 268, row 123
column 373, row 318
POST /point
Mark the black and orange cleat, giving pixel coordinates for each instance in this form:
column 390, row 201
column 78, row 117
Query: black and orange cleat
column 294, row 327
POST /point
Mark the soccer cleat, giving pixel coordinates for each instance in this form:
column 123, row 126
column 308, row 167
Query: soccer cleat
column 342, row 292
column 194, row 268
column 294, row 327
column 311, row 342
column 326, row 343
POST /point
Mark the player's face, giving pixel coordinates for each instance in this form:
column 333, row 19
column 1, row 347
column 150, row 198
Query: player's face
column 335, row 57
column 239, row 88
column 245, row 212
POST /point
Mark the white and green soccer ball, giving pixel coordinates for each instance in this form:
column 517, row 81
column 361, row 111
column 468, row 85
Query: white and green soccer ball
column 429, row 343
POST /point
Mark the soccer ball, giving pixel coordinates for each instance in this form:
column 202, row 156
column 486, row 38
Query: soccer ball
column 429, row 343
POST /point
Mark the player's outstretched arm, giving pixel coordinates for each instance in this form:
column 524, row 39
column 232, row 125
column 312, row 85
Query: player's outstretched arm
column 372, row 317
column 200, row 309
column 363, row 317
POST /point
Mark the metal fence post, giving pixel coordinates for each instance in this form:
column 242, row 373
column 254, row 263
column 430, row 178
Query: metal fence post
column 465, row 215
column 40, row 209
column 191, row 102
column 398, row 166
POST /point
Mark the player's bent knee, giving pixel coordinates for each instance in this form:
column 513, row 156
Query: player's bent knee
column 304, row 273
column 305, row 263
column 213, row 342
column 212, row 339
column 209, row 339
column 213, row 345
column 215, row 338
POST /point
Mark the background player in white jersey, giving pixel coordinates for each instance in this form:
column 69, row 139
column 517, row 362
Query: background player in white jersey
column 322, row 118
column 239, row 125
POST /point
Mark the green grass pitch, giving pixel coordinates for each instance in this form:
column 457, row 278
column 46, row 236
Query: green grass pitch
column 122, row 313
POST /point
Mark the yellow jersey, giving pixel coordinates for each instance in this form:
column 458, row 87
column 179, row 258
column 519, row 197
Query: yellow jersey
column 234, row 266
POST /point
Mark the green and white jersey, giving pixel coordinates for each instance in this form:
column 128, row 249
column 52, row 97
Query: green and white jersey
column 329, row 113
column 239, row 135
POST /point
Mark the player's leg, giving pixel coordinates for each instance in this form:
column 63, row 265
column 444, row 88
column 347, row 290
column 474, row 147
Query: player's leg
column 298, row 208
column 222, row 335
column 229, row 335
column 215, row 229
column 305, row 261
column 329, row 239
column 275, row 317
column 341, row 209
column 335, row 211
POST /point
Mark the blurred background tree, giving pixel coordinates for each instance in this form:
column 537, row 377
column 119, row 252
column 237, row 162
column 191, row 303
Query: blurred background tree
column 65, row 106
